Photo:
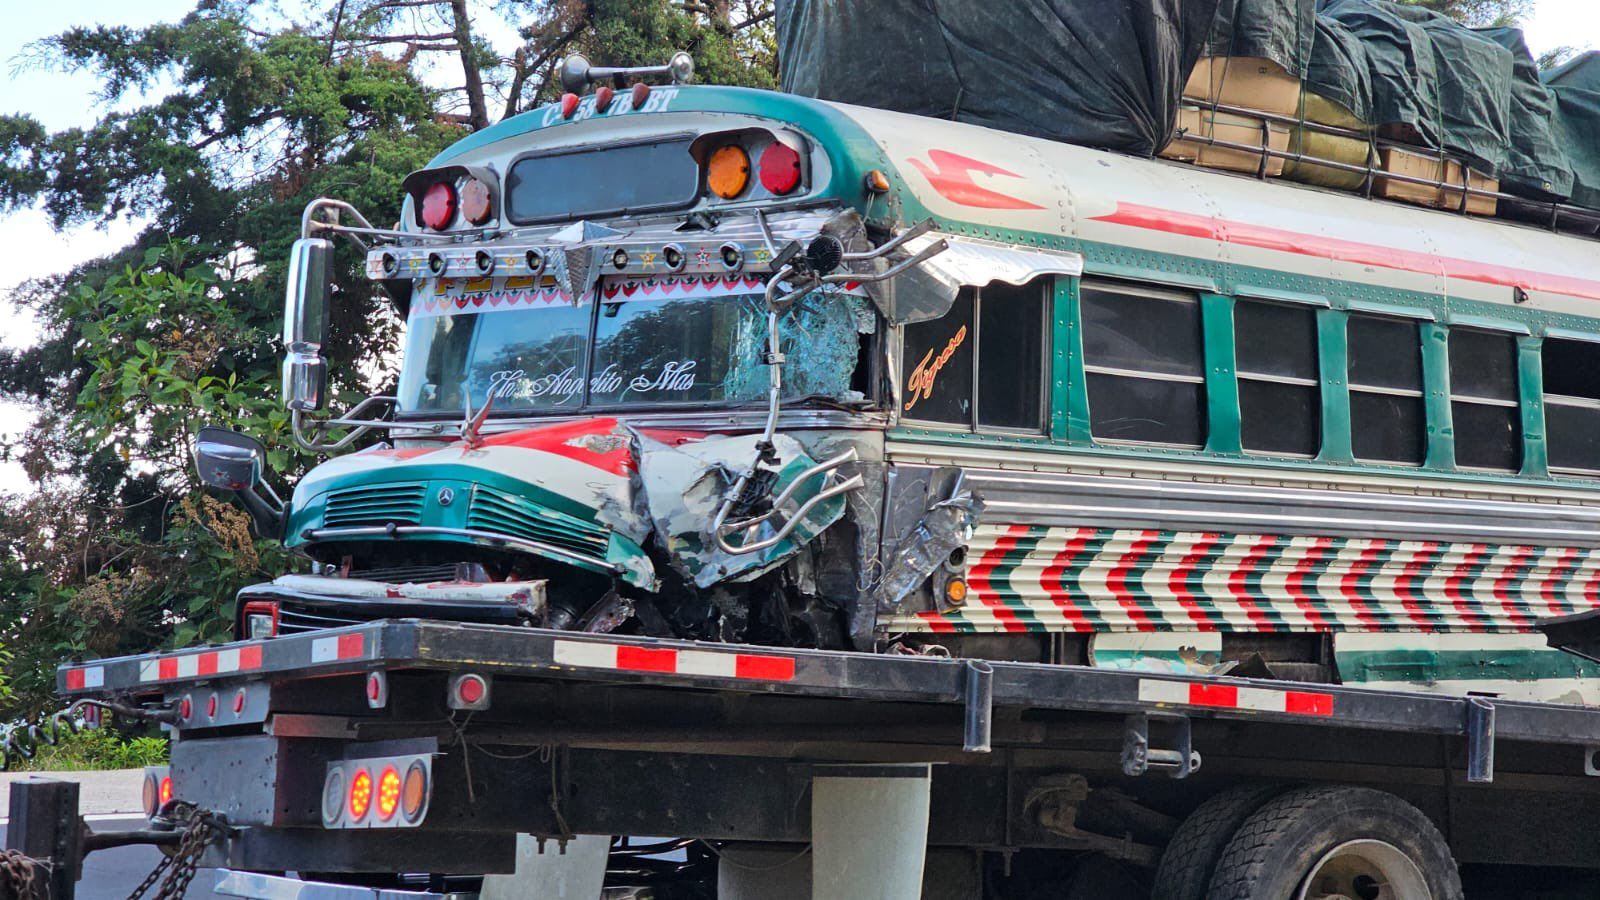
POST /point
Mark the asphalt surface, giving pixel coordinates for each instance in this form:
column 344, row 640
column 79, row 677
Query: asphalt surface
column 109, row 801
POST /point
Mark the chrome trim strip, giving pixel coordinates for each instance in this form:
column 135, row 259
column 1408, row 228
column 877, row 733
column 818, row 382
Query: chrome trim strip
column 489, row 538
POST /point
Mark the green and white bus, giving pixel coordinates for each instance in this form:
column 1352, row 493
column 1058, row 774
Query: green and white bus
column 735, row 365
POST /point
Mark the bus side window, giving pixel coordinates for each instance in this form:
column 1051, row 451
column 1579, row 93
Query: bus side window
column 1387, row 418
column 1011, row 355
column 1280, row 397
column 1572, row 404
column 1143, row 364
column 936, row 366
column 1483, row 400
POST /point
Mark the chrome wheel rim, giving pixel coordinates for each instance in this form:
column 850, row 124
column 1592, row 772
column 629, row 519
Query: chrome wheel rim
column 1365, row 870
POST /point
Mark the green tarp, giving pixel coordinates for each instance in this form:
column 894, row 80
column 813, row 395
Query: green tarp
column 1537, row 164
column 1338, row 68
column 1433, row 82
column 1102, row 73
column 1279, row 30
column 1576, row 86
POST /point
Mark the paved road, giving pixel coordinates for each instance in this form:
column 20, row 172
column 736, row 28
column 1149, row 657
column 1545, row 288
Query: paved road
column 110, row 801
column 111, row 874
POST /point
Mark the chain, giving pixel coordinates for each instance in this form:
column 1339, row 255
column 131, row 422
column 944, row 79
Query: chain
column 21, row 877
column 175, row 872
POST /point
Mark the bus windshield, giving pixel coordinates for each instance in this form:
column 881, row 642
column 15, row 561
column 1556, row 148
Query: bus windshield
column 694, row 341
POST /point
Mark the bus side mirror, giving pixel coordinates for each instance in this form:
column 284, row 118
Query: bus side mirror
column 305, row 324
column 230, row 461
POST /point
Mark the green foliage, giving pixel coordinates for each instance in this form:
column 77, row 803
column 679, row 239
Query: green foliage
column 222, row 128
column 97, row 749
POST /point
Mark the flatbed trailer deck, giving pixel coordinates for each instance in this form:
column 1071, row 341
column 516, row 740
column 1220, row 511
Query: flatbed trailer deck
column 530, row 731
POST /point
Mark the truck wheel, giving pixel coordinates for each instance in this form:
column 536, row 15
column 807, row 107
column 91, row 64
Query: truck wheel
column 1191, row 856
column 1336, row 843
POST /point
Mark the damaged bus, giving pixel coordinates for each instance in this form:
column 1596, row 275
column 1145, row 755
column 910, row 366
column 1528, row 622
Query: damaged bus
column 734, row 365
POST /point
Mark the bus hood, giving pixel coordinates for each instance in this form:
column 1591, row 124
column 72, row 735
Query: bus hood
column 592, row 493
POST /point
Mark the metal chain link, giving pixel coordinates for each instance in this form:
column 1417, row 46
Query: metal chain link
column 21, row 877
column 175, row 872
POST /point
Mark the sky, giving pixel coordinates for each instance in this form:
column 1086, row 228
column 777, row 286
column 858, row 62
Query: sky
column 62, row 100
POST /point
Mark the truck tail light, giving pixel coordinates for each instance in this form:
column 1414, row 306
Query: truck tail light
column 388, row 793
column 414, row 792
column 779, row 168
column 156, row 789
column 360, row 794
column 259, row 620
column 373, row 793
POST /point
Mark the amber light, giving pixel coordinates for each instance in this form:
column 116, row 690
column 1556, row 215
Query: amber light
column 780, row 169
column 956, row 591
column 388, row 793
column 477, row 204
column 439, row 206
column 414, row 793
column 728, row 172
column 151, row 791
column 360, row 795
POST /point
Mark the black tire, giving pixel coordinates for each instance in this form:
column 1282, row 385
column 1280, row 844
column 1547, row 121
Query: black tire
column 1191, row 856
column 1276, row 848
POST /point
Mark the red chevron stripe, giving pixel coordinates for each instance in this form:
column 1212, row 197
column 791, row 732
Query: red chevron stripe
column 1178, row 582
column 1053, row 579
column 1296, row 583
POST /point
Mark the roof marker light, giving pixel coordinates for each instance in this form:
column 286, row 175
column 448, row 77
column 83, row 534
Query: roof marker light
column 779, row 168
column 639, row 94
column 477, row 202
column 728, row 171
column 603, row 96
column 569, row 105
column 438, row 206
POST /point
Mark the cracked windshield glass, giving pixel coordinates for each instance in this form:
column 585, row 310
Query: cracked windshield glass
column 657, row 341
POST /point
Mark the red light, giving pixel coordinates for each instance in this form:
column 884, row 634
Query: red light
column 603, row 96
column 360, row 795
column 238, row 702
column 185, row 709
column 388, row 793
column 374, row 687
column 780, row 168
column 470, row 689
column 439, row 206
column 166, row 791
column 260, row 620
column 211, row 707
column 639, row 94
column 569, row 105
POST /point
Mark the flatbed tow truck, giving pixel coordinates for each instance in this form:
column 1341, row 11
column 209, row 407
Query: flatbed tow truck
column 428, row 747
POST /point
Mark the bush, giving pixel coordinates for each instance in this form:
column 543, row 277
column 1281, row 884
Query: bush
column 97, row 749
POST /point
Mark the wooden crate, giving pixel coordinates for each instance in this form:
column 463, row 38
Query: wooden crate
column 1223, row 126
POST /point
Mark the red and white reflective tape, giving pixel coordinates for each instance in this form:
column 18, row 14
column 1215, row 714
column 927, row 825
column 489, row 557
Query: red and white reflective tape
column 674, row 662
column 86, row 677
column 1227, row 696
column 342, row 646
column 198, row 665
